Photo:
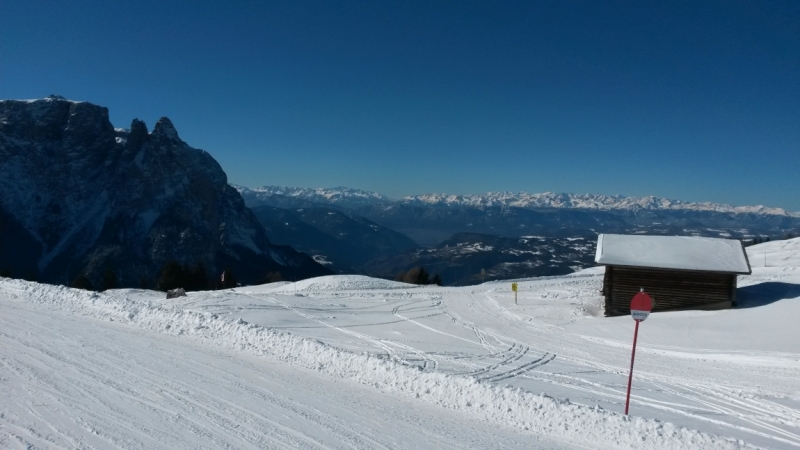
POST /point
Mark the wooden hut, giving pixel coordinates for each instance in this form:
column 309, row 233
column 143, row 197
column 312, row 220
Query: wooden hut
column 678, row 272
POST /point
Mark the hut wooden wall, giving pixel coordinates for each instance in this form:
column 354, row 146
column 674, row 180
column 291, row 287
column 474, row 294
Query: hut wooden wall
column 671, row 289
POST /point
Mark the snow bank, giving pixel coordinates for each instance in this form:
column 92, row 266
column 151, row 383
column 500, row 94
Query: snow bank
column 269, row 287
column 330, row 283
column 506, row 405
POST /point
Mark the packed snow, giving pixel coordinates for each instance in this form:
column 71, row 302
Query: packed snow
column 357, row 362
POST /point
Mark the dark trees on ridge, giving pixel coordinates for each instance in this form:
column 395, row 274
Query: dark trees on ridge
column 171, row 276
column 418, row 275
column 81, row 282
column 109, row 280
column 175, row 275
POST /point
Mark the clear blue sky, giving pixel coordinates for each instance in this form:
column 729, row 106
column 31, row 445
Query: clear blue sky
column 696, row 100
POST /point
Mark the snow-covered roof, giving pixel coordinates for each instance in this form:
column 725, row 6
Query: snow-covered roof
column 672, row 252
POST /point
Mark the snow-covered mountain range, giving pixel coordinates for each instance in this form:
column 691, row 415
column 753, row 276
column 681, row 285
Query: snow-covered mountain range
column 585, row 201
column 353, row 198
column 430, row 219
column 338, row 196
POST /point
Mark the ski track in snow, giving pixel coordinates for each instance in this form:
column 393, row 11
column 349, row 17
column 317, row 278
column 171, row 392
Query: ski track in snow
column 113, row 387
column 473, row 350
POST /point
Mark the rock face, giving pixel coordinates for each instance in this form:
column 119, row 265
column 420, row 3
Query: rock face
column 78, row 196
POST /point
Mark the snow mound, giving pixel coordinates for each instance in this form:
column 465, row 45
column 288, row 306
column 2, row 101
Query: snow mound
column 341, row 283
column 269, row 287
column 505, row 405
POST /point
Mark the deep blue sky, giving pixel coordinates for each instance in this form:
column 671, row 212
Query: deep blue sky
column 682, row 99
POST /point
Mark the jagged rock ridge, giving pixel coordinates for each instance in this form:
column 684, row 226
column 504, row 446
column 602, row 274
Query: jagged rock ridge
column 78, row 196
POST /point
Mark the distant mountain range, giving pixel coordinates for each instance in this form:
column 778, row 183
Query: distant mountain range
column 79, row 197
column 505, row 234
column 292, row 197
column 355, row 198
column 430, row 219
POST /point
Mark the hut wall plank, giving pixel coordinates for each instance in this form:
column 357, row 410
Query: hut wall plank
column 670, row 289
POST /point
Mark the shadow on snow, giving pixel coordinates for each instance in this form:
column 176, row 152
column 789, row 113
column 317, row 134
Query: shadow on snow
column 765, row 293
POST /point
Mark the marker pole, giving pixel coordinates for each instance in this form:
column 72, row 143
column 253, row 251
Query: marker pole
column 630, row 376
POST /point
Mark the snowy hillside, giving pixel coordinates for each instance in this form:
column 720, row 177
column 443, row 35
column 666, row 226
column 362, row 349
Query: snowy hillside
column 784, row 253
column 356, row 362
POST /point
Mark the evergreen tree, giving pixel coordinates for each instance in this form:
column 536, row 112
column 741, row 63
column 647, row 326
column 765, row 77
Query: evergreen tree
column 422, row 277
column 171, row 276
column 272, row 277
column 417, row 275
column 81, row 282
column 197, row 279
column 109, row 280
column 411, row 276
column 437, row 280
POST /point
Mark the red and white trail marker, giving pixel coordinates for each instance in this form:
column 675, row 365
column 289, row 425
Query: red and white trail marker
column 641, row 305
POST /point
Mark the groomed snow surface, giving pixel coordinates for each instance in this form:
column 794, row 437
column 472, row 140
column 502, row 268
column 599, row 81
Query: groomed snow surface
column 355, row 362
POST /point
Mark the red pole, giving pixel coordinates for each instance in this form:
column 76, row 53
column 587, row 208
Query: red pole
column 630, row 376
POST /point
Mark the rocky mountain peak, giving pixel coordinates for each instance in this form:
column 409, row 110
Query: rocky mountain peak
column 84, row 198
column 164, row 129
column 137, row 136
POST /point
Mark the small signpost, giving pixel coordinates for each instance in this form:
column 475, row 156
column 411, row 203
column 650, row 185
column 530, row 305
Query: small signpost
column 641, row 305
column 514, row 288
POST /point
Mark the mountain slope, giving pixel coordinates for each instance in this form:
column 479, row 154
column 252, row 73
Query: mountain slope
column 461, row 259
column 86, row 197
column 344, row 241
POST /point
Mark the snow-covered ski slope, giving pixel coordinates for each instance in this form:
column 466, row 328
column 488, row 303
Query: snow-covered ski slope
column 355, row 362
